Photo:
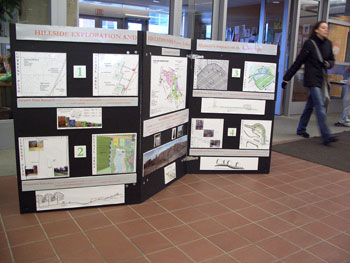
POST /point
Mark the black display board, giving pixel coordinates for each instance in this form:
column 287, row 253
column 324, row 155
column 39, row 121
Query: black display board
column 227, row 103
column 33, row 121
column 164, row 105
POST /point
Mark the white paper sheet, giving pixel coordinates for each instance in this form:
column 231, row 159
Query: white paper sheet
column 229, row 163
column 41, row 74
column 79, row 118
column 43, row 157
column 207, row 133
column 80, row 197
column 210, row 74
column 168, row 84
column 233, row 106
column 169, row 173
column 115, row 74
column 255, row 134
column 259, row 76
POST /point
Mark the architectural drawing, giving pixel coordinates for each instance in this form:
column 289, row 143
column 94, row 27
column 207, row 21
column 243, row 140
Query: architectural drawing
column 233, row 106
column 229, row 163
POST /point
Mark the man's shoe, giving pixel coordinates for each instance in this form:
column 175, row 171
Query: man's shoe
column 339, row 124
column 330, row 139
column 303, row 134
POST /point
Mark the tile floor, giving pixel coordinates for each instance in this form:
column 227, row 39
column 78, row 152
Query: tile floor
column 299, row 213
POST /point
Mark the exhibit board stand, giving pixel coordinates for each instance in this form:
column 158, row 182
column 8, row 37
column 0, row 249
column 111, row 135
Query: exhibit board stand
column 232, row 107
column 101, row 117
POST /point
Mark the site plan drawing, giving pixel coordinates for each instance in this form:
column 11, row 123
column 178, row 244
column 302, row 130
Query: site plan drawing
column 115, row 74
column 168, row 84
column 207, row 133
column 79, row 118
column 259, row 76
column 41, row 74
column 233, row 106
column 229, row 163
column 43, row 157
column 114, row 153
column 79, row 197
column 255, row 134
column 210, row 74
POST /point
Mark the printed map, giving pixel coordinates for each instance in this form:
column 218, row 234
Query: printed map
column 41, row 74
column 259, row 76
column 115, row 75
column 168, row 84
column 210, row 74
column 114, row 153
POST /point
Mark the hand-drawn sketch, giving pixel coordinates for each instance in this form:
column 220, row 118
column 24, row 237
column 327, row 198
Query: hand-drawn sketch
column 255, row 134
column 233, row 106
column 229, row 163
column 259, row 76
column 79, row 197
column 210, row 74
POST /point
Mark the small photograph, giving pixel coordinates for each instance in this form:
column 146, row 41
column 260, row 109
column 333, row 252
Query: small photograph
column 208, row 133
column 214, row 143
column 199, row 124
column 61, row 171
column 173, row 133
column 37, row 145
column 180, row 131
column 157, row 139
column 33, row 171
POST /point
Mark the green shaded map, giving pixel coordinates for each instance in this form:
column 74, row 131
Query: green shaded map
column 263, row 77
column 259, row 76
column 116, row 153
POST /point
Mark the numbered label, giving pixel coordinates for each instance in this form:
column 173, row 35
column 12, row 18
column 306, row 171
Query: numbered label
column 79, row 72
column 236, row 73
column 80, row 151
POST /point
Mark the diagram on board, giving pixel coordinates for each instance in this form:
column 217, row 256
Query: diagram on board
column 259, row 76
column 210, row 74
column 255, row 134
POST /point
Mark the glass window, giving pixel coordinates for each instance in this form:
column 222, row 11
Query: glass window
column 242, row 23
column 273, row 22
column 137, row 14
column 340, row 10
column 197, row 19
column 308, row 17
column 109, row 24
column 135, row 26
column 85, row 22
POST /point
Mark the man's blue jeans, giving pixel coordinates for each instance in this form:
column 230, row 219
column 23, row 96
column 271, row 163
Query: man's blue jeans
column 314, row 100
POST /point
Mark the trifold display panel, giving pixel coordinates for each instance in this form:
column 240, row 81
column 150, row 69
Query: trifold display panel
column 164, row 110
column 232, row 101
column 76, row 116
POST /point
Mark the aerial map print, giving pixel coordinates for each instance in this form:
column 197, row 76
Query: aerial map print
column 168, row 84
column 259, row 76
column 115, row 74
column 114, row 153
column 210, row 74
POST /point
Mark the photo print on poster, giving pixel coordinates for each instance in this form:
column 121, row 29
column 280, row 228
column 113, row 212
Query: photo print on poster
column 207, row 133
column 255, row 134
column 168, row 84
column 79, row 197
column 114, row 153
column 157, row 139
column 229, row 163
column 79, row 118
column 259, row 76
column 169, row 173
column 41, row 74
column 180, row 131
column 115, row 74
column 210, row 74
column 173, row 133
column 43, row 157
column 163, row 155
